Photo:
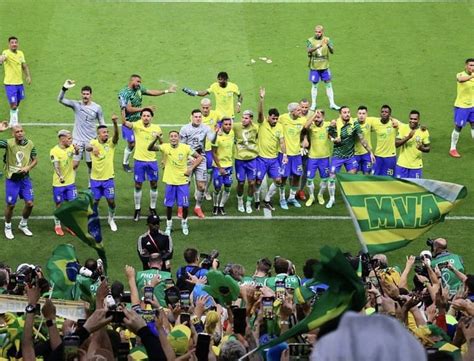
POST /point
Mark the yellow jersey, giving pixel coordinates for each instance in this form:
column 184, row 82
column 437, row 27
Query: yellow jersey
column 13, row 65
column 176, row 163
column 292, row 132
column 465, row 92
column 143, row 137
column 321, row 145
column 224, row 97
column 103, row 163
column 225, row 149
column 385, row 135
column 269, row 139
column 246, row 147
column 64, row 156
column 211, row 121
column 366, row 131
column 410, row 157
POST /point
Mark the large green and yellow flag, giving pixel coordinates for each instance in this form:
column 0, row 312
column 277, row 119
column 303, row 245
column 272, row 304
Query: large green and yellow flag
column 389, row 213
column 82, row 218
column 62, row 269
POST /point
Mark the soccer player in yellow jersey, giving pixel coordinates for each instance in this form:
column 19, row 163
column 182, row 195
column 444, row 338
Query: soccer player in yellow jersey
column 464, row 105
column 145, row 165
column 271, row 142
column 292, row 123
column 223, row 155
column 361, row 154
column 14, row 63
column 176, row 176
column 210, row 118
column 319, row 47
column 64, row 188
column 413, row 141
column 224, row 92
column 385, row 130
column 306, row 113
column 102, row 173
column 246, row 152
column 319, row 153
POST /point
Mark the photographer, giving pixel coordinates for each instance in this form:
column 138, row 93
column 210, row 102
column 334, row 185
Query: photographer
column 195, row 268
column 263, row 270
column 155, row 241
column 441, row 258
column 144, row 278
column 88, row 278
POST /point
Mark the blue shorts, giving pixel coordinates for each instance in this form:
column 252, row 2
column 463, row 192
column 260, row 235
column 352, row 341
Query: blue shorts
column 64, row 193
column 209, row 159
column 319, row 164
column 316, row 75
column 103, row 188
column 178, row 194
column 127, row 134
column 246, row 169
column 220, row 179
column 463, row 115
column 145, row 170
column 15, row 93
column 18, row 188
column 348, row 163
column 293, row 167
column 365, row 163
column 402, row 172
column 385, row 166
column 270, row 166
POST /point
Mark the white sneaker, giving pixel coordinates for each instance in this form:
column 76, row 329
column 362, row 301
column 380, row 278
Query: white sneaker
column 185, row 229
column 25, row 230
column 248, row 208
column 240, row 207
column 9, row 233
column 330, row 203
column 208, row 196
column 113, row 226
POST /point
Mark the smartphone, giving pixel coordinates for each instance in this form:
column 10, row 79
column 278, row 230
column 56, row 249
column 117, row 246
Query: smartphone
column 71, row 347
column 172, row 296
column 299, row 351
column 240, row 320
column 280, row 290
column 184, row 298
column 185, row 317
column 126, row 298
column 148, row 294
column 169, row 283
column 202, row 346
column 267, row 307
column 117, row 316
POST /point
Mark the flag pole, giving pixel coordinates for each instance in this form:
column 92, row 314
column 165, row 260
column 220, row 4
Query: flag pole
column 248, row 354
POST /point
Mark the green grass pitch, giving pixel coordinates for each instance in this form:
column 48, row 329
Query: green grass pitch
column 403, row 54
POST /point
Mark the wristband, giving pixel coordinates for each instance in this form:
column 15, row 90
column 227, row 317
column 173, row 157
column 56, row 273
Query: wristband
column 167, row 91
column 65, row 89
column 49, row 323
column 284, row 322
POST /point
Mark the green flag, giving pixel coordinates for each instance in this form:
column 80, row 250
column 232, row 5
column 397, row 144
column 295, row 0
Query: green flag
column 62, row 269
column 80, row 217
column 345, row 292
column 388, row 213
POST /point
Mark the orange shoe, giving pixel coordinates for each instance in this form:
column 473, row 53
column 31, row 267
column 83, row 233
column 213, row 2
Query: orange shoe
column 180, row 213
column 301, row 195
column 58, row 230
column 454, row 153
column 70, row 231
column 198, row 212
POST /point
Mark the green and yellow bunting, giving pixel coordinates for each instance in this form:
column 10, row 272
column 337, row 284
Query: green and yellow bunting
column 390, row 212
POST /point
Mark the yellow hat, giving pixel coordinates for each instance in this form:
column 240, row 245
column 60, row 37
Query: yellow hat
column 179, row 339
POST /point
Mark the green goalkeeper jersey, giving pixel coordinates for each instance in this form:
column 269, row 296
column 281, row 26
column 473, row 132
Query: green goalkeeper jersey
column 134, row 97
column 348, row 133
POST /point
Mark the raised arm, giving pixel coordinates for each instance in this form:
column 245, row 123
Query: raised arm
column 68, row 84
column 261, row 115
column 115, row 137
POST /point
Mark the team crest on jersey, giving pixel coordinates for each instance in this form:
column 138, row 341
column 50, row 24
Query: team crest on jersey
column 277, row 133
column 180, row 156
column 154, row 134
column 69, row 154
column 106, row 148
column 229, row 94
column 418, row 139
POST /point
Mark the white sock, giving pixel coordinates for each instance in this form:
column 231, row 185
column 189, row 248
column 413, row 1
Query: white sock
column 169, row 223
column 215, row 197
column 282, row 193
column 199, row 196
column 256, row 195
column 57, row 222
column 111, row 213
column 314, row 95
column 13, row 117
column 224, row 198
column 23, row 222
column 8, row 225
column 332, row 190
column 184, row 222
column 310, row 185
column 271, row 191
column 153, row 198
column 126, row 155
column 240, row 200
column 137, row 196
column 209, row 181
column 322, row 187
column 472, row 133
column 292, row 194
column 330, row 93
column 454, row 138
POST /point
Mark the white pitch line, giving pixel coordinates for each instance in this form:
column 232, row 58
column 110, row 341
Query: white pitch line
column 166, row 125
column 258, row 218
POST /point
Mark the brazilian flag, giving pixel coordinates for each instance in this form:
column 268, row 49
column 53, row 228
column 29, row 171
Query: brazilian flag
column 62, row 269
column 82, row 218
column 346, row 292
column 389, row 213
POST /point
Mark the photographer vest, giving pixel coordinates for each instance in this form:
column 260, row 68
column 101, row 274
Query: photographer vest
column 449, row 277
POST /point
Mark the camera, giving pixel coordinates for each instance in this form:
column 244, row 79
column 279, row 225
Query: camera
column 207, row 259
column 430, row 243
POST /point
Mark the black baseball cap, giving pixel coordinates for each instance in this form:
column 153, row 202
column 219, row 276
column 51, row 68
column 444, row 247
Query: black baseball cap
column 153, row 219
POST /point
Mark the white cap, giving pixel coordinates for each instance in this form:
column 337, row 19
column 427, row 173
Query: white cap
column 426, row 253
